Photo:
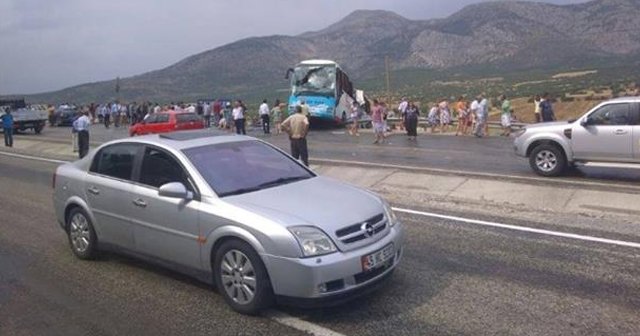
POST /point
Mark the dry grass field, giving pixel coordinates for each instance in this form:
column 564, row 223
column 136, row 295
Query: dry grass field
column 563, row 110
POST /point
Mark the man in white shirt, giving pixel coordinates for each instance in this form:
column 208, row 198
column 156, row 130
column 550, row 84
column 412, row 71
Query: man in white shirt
column 238, row 118
column 402, row 108
column 478, row 110
column 81, row 127
column 484, row 103
column 264, row 116
column 206, row 108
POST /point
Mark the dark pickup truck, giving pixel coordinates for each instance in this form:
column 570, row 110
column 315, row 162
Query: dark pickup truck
column 24, row 117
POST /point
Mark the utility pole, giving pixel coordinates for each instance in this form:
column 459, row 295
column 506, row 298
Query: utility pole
column 386, row 72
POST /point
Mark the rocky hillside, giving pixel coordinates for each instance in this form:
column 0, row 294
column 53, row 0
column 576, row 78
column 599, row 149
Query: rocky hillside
column 505, row 35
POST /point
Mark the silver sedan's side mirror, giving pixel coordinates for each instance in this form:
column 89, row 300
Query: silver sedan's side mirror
column 586, row 122
column 175, row 190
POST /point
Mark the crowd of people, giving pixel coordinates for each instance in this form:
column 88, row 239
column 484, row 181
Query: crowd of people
column 471, row 116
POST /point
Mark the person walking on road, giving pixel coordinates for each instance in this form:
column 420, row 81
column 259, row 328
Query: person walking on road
column 478, row 111
column 402, row 109
column 433, row 118
column 106, row 115
column 305, row 109
column 546, row 109
column 377, row 118
column 263, row 110
column 411, row 120
column 7, row 128
column 463, row 116
column 297, row 126
column 445, row 116
column 536, row 108
column 81, row 127
column 238, row 118
column 505, row 116
column 206, row 109
column 276, row 111
column 355, row 123
column 228, row 115
column 51, row 113
column 115, row 114
column 484, row 104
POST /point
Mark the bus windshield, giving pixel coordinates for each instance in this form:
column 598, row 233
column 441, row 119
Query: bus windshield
column 314, row 80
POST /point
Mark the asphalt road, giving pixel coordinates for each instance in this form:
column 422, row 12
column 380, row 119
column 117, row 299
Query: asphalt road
column 492, row 155
column 455, row 279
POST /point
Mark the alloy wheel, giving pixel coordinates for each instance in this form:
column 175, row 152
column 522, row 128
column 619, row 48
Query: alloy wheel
column 238, row 277
column 80, row 233
column 546, row 160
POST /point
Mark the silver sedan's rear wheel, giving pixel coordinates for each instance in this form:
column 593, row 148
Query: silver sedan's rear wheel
column 241, row 277
column 547, row 160
column 82, row 236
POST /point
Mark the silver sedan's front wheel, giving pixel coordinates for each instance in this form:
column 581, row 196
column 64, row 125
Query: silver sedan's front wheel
column 238, row 277
column 242, row 278
column 82, row 236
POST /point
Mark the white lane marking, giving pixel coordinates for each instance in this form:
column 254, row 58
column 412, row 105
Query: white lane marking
column 522, row 228
column 473, row 174
column 299, row 324
column 29, row 157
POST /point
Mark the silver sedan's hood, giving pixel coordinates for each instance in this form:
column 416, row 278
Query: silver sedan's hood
column 321, row 202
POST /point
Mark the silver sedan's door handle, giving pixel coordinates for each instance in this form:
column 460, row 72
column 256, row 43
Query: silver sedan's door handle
column 140, row 203
column 620, row 132
column 94, row 190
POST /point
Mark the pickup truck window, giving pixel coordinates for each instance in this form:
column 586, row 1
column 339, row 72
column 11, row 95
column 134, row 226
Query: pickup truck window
column 612, row 114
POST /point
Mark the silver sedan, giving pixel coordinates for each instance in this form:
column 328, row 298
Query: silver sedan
column 232, row 211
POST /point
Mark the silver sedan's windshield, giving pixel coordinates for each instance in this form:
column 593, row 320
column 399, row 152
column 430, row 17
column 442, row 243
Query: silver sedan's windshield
column 245, row 166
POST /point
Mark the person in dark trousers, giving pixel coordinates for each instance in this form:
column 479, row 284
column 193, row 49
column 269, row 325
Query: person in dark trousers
column 546, row 109
column 7, row 128
column 81, row 127
column 297, row 126
column 238, row 118
column 411, row 120
column 264, row 116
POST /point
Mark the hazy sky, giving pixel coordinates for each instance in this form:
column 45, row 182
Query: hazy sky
column 52, row 44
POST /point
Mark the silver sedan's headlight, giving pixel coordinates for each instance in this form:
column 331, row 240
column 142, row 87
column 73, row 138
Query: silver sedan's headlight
column 388, row 212
column 313, row 241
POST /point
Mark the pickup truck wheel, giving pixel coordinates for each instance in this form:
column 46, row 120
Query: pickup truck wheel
column 241, row 278
column 547, row 160
column 82, row 236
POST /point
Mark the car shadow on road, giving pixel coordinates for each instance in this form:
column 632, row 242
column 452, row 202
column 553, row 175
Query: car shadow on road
column 429, row 271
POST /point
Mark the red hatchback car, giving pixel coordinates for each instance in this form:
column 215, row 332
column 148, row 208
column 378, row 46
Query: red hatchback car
column 165, row 122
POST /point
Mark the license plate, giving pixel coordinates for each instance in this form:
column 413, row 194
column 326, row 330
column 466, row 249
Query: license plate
column 377, row 259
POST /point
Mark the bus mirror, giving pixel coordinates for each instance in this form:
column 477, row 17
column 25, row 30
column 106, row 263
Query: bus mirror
column 288, row 74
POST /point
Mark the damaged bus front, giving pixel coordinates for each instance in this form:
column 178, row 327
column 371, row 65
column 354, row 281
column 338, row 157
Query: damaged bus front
column 324, row 88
